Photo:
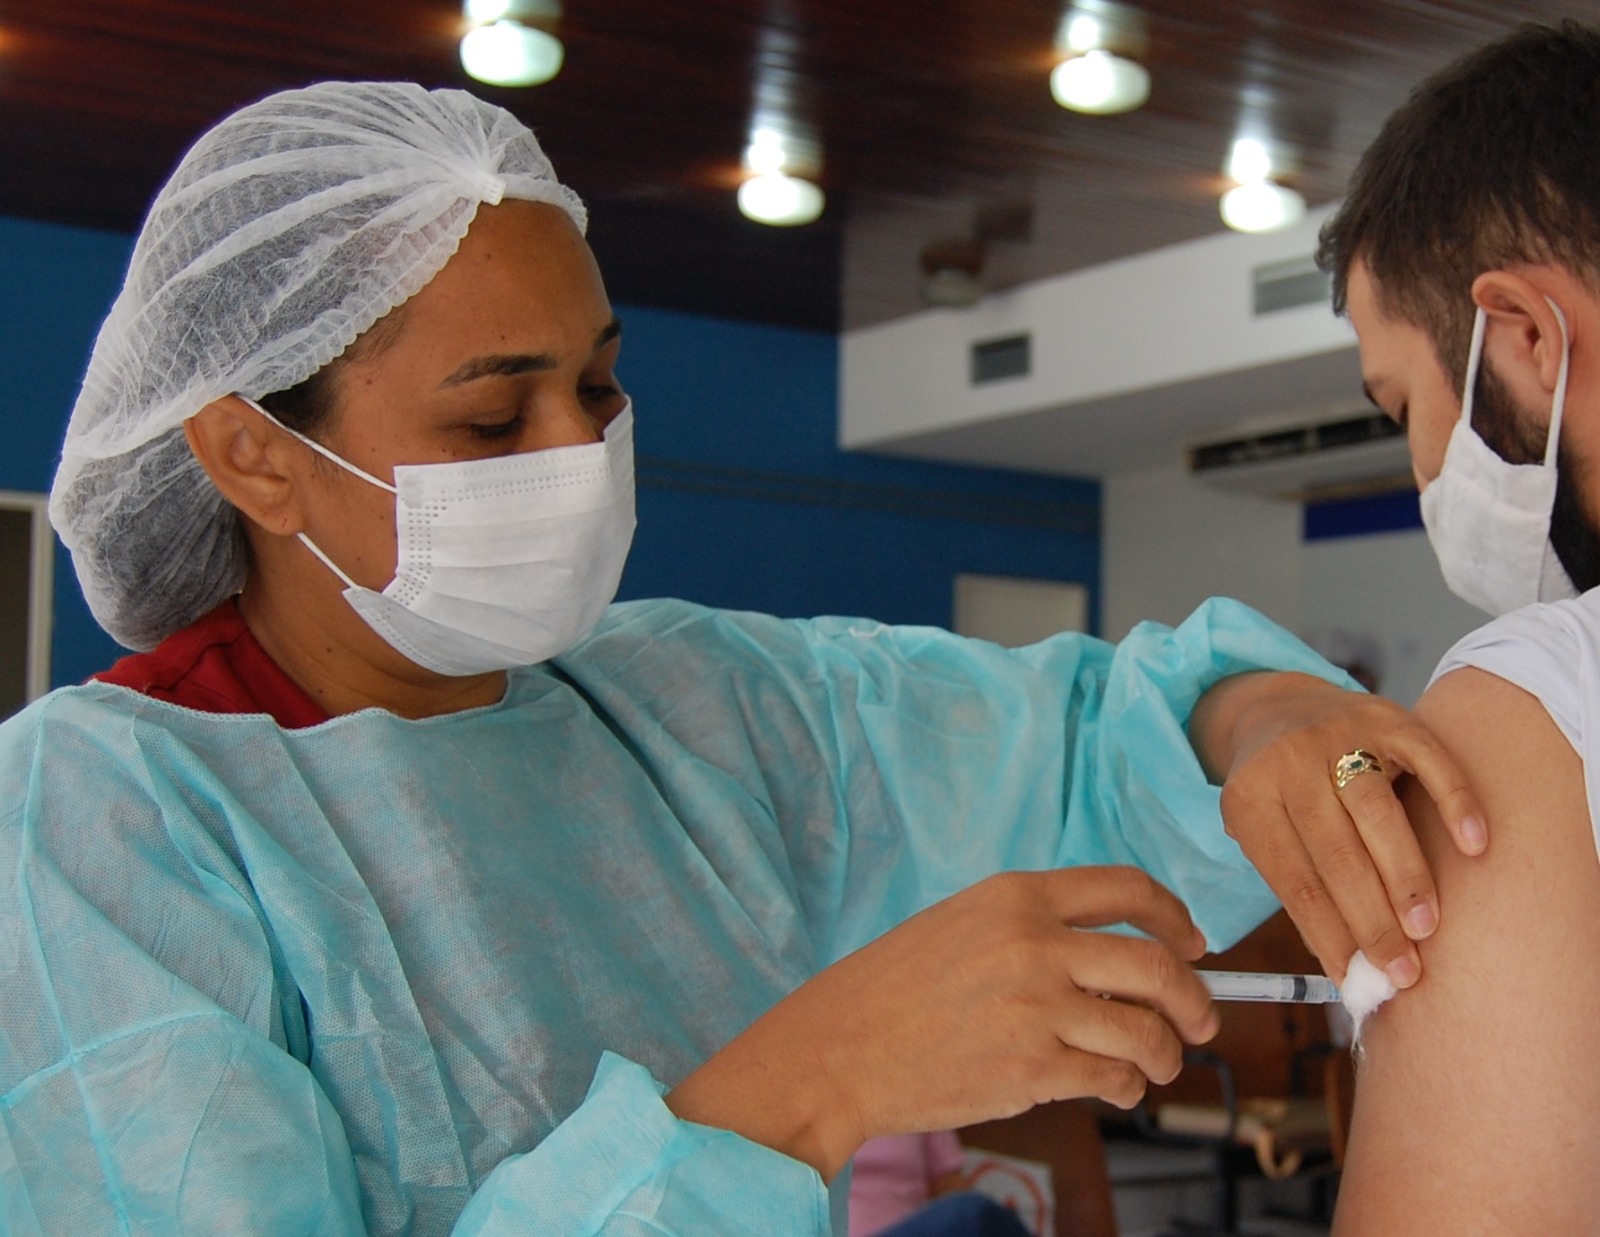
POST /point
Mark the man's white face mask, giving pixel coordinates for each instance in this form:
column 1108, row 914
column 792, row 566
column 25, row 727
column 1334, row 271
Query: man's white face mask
column 1489, row 520
column 500, row 562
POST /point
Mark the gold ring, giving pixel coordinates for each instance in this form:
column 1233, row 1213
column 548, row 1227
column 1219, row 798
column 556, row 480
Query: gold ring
column 1352, row 765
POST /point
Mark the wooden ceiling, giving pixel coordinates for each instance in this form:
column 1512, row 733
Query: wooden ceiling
column 933, row 117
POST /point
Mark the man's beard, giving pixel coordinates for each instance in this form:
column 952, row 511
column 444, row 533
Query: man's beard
column 1507, row 432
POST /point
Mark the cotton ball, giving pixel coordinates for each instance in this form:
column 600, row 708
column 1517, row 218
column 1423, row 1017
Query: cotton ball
column 1365, row 988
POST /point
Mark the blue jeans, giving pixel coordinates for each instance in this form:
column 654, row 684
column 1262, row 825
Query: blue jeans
column 960, row 1215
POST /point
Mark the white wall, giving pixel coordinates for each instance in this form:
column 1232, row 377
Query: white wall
column 1381, row 598
column 1169, row 543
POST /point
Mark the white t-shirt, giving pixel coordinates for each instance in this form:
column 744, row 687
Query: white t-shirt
column 1552, row 652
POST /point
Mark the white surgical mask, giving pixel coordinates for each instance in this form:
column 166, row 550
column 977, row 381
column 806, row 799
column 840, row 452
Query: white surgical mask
column 500, row 562
column 1489, row 520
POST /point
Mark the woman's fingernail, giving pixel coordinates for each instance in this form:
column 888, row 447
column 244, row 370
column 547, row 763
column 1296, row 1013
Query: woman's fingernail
column 1474, row 834
column 1403, row 972
column 1421, row 920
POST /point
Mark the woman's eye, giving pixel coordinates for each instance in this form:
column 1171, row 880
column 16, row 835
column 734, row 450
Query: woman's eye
column 498, row 429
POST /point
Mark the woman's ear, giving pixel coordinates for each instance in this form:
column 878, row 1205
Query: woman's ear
column 249, row 461
column 1527, row 334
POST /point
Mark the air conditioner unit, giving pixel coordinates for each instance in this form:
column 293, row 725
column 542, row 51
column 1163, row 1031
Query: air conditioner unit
column 1339, row 452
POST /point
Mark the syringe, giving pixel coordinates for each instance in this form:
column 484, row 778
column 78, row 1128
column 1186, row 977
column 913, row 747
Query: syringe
column 1259, row 986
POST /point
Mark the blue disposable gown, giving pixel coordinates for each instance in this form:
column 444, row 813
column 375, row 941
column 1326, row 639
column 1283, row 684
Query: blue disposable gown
column 434, row 976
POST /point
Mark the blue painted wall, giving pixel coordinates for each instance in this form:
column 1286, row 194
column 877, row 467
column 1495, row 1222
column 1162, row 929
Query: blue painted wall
column 56, row 284
column 1357, row 517
column 744, row 500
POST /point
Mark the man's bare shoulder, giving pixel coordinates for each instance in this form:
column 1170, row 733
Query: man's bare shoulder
column 1500, row 731
column 1478, row 1109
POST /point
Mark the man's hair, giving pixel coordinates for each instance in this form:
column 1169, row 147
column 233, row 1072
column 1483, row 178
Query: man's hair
column 1492, row 162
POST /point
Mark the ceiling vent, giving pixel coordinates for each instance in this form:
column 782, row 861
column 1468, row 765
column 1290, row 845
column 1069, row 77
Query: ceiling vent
column 994, row 359
column 1289, row 285
column 1338, row 452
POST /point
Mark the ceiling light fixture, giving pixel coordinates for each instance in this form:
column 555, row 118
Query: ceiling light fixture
column 773, row 194
column 1257, row 203
column 782, row 157
column 503, row 49
column 952, row 272
column 1100, row 84
column 1095, row 77
column 1261, row 207
column 781, row 200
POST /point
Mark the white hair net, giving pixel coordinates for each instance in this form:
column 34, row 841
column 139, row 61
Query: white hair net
column 286, row 231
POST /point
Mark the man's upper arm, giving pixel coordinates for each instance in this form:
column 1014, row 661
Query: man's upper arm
column 1478, row 1096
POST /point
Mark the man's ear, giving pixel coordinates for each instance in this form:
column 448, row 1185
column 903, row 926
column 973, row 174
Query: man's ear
column 1526, row 335
column 250, row 461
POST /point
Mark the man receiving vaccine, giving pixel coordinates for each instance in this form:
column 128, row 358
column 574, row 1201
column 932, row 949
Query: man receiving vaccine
column 1467, row 256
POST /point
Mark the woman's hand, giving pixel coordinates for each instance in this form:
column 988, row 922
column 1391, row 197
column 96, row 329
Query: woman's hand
column 979, row 1007
column 1344, row 862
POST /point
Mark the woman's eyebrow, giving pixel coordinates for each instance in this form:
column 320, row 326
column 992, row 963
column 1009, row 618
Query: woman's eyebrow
column 500, row 365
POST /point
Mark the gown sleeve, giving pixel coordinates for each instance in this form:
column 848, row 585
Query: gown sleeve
column 898, row 765
column 961, row 759
column 623, row 1165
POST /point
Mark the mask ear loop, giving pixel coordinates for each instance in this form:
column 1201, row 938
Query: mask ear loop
column 343, row 463
column 326, row 561
column 319, row 448
column 1558, row 404
column 1474, row 359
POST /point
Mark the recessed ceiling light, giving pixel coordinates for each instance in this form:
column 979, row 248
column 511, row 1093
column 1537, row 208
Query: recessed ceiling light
column 507, row 53
column 781, row 200
column 503, row 49
column 1100, row 83
column 1101, row 43
column 1258, row 203
column 1261, row 206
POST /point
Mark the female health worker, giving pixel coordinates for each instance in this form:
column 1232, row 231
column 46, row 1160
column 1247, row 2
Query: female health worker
column 403, row 884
